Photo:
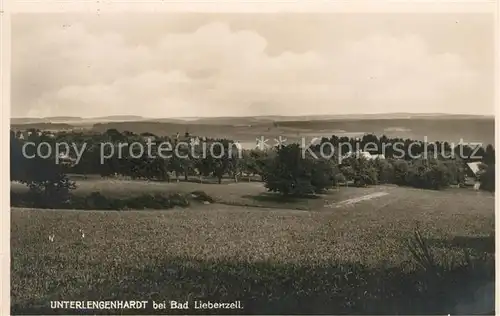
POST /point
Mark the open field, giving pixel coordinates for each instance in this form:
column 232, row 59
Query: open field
column 254, row 194
column 274, row 260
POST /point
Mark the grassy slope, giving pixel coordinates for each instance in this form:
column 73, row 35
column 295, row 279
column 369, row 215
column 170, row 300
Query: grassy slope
column 254, row 194
column 238, row 250
column 242, row 193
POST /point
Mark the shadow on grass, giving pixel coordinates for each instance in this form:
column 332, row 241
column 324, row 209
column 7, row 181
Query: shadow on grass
column 273, row 288
column 479, row 244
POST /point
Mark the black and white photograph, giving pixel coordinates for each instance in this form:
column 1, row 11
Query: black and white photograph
column 252, row 163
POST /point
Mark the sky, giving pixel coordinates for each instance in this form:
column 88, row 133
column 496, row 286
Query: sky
column 205, row 64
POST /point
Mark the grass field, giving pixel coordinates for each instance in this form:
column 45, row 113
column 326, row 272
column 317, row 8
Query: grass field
column 254, row 194
column 274, row 260
column 241, row 193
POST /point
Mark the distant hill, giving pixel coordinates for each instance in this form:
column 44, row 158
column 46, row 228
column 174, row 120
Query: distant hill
column 42, row 126
column 74, row 119
column 453, row 129
column 235, row 120
column 443, row 127
column 118, row 118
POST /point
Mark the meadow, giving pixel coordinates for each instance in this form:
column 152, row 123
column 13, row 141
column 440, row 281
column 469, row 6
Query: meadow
column 305, row 256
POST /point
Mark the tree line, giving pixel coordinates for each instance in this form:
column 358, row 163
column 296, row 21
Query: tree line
column 283, row 169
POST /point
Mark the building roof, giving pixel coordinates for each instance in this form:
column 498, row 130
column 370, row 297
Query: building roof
column 474, row 167
column 364, row 154
column 378, row 156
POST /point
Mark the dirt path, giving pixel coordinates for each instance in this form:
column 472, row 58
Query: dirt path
column 357, row 199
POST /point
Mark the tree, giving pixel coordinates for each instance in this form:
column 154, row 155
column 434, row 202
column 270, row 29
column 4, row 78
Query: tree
column 291, row 174
column 359, row 170
column 222, row 158
column 487, row 179
column 17, row 160
column 489, row 155
column 204, row 166
column 428, row 174
column 347, row 173
column 47, row 183
column 401, row 169
column 175, row 166
column 247, row 164
column 385, row 171
column 114, row 135
column 455, row 170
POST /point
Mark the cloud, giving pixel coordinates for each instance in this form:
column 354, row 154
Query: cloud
column 219, row 71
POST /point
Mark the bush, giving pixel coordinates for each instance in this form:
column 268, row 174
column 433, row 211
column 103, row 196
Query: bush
column 202, row 196
column 178, row 199
column 98, row 201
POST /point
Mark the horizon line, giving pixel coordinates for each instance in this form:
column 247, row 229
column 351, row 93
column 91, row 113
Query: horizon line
column 255, row 116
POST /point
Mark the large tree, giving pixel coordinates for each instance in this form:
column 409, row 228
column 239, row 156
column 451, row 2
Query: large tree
column 292, row 173
column 48, row 184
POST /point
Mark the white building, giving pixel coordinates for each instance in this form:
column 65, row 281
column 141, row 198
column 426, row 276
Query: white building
column 363, row 154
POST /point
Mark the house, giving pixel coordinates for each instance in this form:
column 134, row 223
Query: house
column 377, row 156
column 25, row 134
column 363, row 154
column 357, row 154
column 473, row 171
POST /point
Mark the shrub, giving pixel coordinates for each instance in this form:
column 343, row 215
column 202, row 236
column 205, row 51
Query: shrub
column 177, row 199
column 202, row 196
column 98, row 201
